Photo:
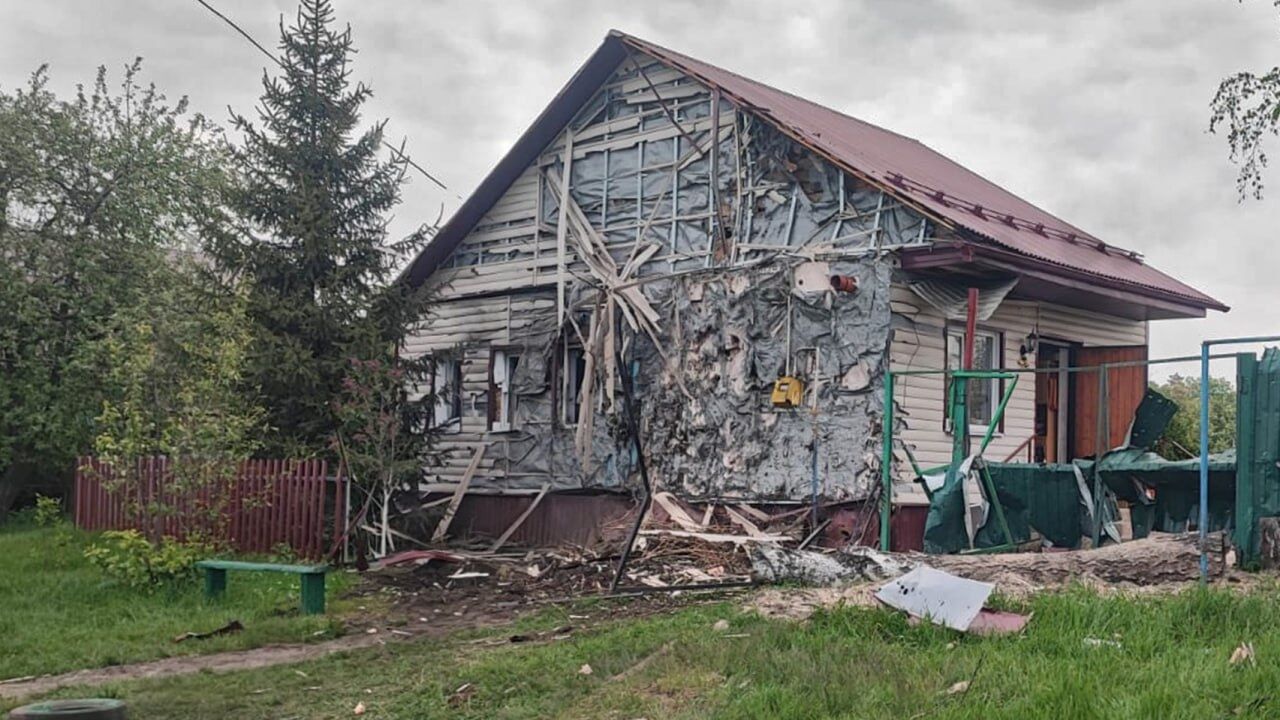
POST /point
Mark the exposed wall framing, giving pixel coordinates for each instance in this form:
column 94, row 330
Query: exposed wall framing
column 672, row 228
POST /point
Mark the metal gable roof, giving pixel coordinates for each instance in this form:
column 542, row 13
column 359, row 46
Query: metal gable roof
column 902, row 165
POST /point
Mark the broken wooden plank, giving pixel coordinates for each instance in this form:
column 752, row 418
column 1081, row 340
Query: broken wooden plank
column 717, row 537
column 443, row 527
column 757, row 513
column 562, row 230
column 520, row 520
column 708, row 514
column 676, row 512
column 742, row 522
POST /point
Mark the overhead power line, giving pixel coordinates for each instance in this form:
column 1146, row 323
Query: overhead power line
column 394, row 150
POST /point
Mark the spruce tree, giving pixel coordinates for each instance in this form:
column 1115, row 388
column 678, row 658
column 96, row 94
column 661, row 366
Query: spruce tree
column 314, row 200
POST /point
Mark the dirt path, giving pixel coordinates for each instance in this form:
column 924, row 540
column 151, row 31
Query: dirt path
column 417, row 616
column 219, row 662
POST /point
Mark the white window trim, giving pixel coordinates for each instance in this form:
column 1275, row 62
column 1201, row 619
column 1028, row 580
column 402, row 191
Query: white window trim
column 956, row 334
column 446, row 385
column 500, row 372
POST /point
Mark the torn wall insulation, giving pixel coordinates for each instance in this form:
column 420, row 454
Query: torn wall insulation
column 710, row 429
column 709, row 426
column 951, row 297
column 711, row 289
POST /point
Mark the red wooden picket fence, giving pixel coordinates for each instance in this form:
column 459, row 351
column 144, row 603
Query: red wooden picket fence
column 264, row 505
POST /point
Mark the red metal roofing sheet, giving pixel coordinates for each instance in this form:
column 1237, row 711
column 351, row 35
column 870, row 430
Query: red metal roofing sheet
column 931, row 180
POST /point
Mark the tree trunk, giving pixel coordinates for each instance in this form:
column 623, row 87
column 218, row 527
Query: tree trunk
column 10, row 488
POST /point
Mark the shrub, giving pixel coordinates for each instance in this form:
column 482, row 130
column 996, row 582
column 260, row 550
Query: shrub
column 130, row 558
column 48, row 511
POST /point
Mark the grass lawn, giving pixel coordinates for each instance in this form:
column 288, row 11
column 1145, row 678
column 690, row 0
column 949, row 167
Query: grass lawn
column 1169, row 660
column 58, row 613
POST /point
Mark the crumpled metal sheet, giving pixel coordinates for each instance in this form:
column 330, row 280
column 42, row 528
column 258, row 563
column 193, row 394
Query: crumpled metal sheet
column 937, row 596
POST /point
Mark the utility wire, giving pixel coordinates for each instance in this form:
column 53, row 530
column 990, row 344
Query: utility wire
column 394, row 150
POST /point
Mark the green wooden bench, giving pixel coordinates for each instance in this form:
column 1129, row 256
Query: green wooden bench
column 215, row 579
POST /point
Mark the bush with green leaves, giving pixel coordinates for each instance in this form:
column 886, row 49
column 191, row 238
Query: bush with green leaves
column 129, row 558
column 48, row 511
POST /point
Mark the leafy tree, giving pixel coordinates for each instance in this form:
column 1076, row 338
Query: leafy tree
column 1248, row 105
column 315, row 254
column 1182, row 439
column 174, row 373
column 96, row 194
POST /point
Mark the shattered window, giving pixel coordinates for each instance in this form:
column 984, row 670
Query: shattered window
column 446, row 385
column 982, row 395
column 502, row 399
column 575, row 368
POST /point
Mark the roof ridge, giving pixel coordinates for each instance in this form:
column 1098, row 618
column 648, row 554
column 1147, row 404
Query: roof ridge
column 650, row 46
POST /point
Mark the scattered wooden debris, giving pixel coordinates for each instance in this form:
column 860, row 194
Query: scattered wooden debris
column 678, row 514
column 718, row 537
column 744, row 523
column 461, row 695
column 1243, row 654
column 417, row 557
column 642, row 664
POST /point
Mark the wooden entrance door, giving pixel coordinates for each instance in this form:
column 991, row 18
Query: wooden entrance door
column 1125, row 387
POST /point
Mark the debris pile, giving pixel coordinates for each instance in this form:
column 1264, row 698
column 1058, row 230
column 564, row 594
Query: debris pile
column 672, row 548
column 678, row 545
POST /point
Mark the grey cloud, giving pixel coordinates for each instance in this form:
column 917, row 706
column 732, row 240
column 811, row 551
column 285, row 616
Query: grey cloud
column 1096, row 111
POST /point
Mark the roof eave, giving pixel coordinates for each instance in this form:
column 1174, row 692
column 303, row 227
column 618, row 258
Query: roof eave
column 539, row 134
column 961, row 253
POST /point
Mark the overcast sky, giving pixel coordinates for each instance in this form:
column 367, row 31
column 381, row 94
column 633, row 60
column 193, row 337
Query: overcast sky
column 1096, row 111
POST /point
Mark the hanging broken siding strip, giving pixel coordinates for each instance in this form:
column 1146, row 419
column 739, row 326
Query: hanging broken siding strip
column 562, row 224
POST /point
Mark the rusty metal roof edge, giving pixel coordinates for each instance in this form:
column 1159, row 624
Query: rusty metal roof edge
column 606, row 57
column 987, row 246
column 673, row 58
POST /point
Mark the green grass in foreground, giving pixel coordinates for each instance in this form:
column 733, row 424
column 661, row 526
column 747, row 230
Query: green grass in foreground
column 1172, row 662
column 58, row 613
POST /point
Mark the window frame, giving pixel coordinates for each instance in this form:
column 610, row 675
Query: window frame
column 570, row 383
column 448, row 394
column 502, row 396
column 956, row 333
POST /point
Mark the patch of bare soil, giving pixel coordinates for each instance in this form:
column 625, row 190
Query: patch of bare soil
column 217, row 662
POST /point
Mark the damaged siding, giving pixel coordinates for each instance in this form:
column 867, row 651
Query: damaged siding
column 702, row 250
column 918, row 343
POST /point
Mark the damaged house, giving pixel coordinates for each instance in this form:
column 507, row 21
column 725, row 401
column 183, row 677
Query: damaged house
column 747, row 263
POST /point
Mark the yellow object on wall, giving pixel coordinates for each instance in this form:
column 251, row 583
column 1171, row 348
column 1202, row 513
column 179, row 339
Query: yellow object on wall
column 788, row 392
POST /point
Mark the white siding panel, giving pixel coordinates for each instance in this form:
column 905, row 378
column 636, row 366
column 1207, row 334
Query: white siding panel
column 919, row 344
